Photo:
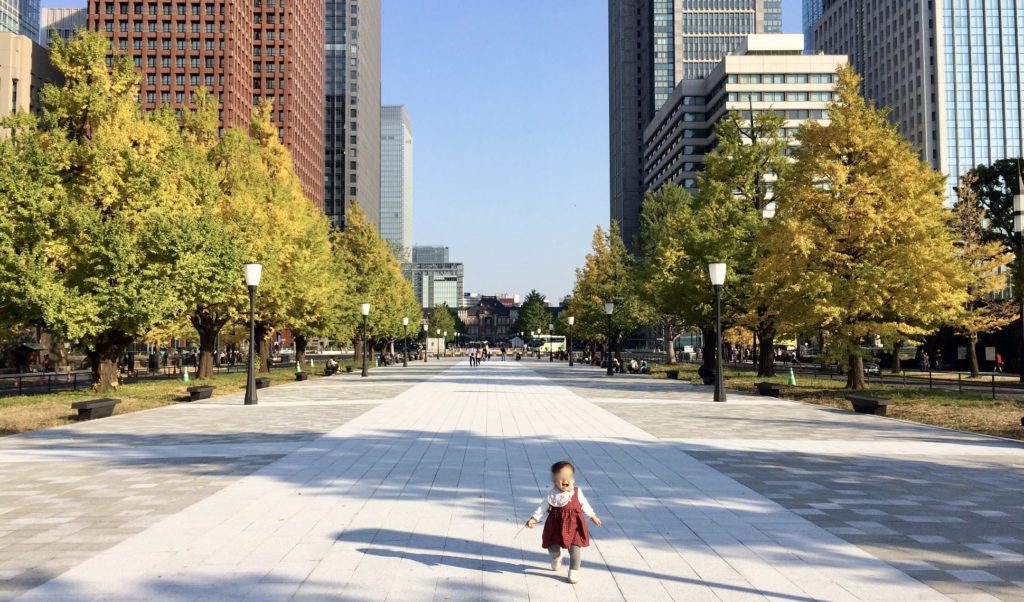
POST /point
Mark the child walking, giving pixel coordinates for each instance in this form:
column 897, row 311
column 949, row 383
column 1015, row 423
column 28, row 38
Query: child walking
column 566, row 527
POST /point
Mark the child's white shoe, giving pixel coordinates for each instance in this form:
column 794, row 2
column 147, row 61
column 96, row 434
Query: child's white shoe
column 556, row 562
column 574, row 576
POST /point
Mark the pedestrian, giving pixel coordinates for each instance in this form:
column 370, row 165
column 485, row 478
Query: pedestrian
column 566, row 509
column 925, row 363
column 999, row 363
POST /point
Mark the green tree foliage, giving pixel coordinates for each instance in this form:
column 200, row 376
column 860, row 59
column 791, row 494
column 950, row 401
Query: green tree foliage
column 993, row 187
column 376, row 276
column 608, row 275
column 984, row 262
column 860, row 246
column 736, row 188
column 118, row 225
column 533, row 315
column 665, row 274
column 107, row 253
column 442, row 319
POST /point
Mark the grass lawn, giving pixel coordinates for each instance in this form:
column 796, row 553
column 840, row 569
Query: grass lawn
column 32, row 412
column 935, row 407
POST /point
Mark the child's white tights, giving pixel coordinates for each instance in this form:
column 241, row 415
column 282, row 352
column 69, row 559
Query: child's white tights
column 575, row 555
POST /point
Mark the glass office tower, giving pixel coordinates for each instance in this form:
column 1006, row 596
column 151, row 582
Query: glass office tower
column 949, row 71
column 982, row 52
column 21, row 17
column 812, row 10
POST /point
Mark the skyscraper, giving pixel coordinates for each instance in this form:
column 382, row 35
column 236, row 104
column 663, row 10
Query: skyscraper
column 950, row 72
column 242, row 52
column 396, row 178
column 21, row 17
column 811, row 13
column 352, row 126
column 653, row 45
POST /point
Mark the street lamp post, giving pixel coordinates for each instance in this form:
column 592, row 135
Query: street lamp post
column 609, row 308
column 438, row 347
column 405, row 343
column 717, row 273
column 366, row 315
column 253, row 273
column 551, row 343
column 426, row 335
column 444, row 344
column 571, row 320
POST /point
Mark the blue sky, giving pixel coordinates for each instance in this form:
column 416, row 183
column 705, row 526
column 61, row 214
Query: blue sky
column 510, row 126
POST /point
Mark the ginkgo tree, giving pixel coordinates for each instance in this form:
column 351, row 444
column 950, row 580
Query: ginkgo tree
column 860, row 246
column 112, row 231
column 608, row 275
column 986, row 264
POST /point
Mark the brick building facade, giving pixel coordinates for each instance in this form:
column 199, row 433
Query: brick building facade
column 242, row 51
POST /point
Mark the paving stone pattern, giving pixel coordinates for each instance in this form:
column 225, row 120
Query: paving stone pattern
column 421, row 497
column 945, row 507
column 69, row 493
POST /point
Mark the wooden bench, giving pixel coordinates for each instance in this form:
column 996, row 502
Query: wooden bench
column 201, row 392
column 768, row 390
column 263, row 382
column 95, row 408
column 862, row 404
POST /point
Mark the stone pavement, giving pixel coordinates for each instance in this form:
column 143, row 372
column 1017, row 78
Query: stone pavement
column 944, row 506
column 411, row 485
column 69, row 493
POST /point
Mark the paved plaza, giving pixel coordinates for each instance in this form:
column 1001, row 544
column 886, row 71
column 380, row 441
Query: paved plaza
column 413, row 484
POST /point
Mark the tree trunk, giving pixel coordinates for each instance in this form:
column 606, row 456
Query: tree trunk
column 766, row 351
column 896, row 367
column 972, row 355
column 855, row 375
column 670, row 353
column 300, row 349
column 708, row 353
column 103, row 358
column 262, row 348
column 208, row 326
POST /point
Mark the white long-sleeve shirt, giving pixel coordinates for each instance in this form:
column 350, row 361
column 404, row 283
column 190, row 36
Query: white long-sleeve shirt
column 558, row 498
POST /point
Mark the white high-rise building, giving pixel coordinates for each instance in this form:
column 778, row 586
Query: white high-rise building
column 768, row 73
column 396, row 178
column 61, row 22
column 653, row 45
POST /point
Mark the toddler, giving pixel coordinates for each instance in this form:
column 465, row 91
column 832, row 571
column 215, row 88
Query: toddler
column 565, row 527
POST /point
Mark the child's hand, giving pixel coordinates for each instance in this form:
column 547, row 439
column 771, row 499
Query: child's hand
column 596, row 520
column 530, row 523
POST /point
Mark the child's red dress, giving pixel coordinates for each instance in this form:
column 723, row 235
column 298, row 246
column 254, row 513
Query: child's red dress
column 566, row 526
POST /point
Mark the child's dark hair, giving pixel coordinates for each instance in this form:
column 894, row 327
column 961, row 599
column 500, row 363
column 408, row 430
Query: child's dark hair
column 558, row 466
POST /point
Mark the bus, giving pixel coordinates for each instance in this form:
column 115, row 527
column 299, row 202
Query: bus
column 543, row 343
